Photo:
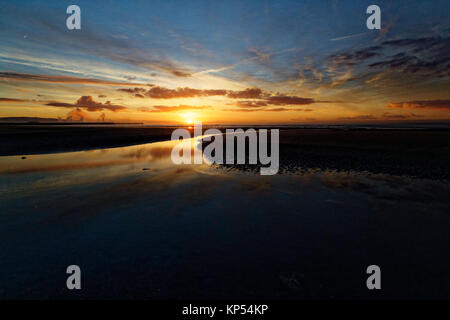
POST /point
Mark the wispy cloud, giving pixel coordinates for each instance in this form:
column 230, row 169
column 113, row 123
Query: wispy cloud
column 350, row 36
column 263, row 57
column 62, row 79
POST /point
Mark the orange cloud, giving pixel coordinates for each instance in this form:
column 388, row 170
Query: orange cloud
column 267, row 110
column 251, row 104
column 388, row 115
column 360, row 117
column 78, row 115
column 422, row 104
column 172, row 109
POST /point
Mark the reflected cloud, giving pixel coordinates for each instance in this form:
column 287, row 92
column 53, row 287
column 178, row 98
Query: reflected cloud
column 149, row 153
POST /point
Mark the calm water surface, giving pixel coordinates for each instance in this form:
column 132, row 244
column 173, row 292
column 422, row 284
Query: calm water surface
column 142, row 227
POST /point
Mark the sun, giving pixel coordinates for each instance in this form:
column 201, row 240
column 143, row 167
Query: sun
column 189, row 117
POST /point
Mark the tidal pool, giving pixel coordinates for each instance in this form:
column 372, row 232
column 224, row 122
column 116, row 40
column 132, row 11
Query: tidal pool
column 141, row 227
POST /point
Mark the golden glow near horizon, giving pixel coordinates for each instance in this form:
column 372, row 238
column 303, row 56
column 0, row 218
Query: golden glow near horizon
column 27, row 98
column 189, row 117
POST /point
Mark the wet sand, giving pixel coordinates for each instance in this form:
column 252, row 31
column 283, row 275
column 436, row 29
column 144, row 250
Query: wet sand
column 416, row 153
column 195, row 232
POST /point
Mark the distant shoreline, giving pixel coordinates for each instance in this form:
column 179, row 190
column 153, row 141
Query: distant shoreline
column 423, row 153
column 31, row 123
column 22, row 140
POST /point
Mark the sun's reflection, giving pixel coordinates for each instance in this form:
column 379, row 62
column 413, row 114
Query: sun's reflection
column 154, row 155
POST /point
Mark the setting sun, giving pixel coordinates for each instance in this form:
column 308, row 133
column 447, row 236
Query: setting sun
column 189, row 117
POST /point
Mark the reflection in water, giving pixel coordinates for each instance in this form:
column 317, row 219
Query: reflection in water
column 88, row 159
column 161, row 230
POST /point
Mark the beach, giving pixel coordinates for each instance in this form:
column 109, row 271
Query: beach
column 421, row 153
column 141, row 227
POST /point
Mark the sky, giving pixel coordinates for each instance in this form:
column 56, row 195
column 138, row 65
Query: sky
column 226, row 62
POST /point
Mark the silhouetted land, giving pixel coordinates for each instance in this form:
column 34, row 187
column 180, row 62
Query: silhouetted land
column 37, row 139
column 419, row 153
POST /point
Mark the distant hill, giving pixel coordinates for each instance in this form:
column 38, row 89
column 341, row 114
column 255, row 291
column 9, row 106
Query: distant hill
column 37, row 120
column 28, row 120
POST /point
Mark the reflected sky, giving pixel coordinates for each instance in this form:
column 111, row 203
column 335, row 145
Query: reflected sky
column 143, row 227
column 141, row 170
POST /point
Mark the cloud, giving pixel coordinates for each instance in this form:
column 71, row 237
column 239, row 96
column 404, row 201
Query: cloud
column 155, row 153
column 352, row 58
column 262, row 98
column 251, row 104
column 280, row 100
column 164, row 93
column 267, row 110
column 287, row 109
column 422, row 104
column 133, row 90
column 348, row 36
column 418, row 44
column 173, row 109
column 341, row 79
column 308, row 72
column 157, row 92
column 137, row 92
column 87, row 103
column 384, row 116
column 263, row 57
column 243, row 110
column 428, row 56
column 78, row 115
column 411, row 64
column 180, row 73
column 62, row 79
column 259, row 56
column 387, row 26
column 100, row 44
column 11, row 100
column 249, row 93
column 388, row 115
column 360, row 117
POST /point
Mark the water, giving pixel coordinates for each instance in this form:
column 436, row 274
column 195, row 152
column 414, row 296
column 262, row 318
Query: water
column 142, row 227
